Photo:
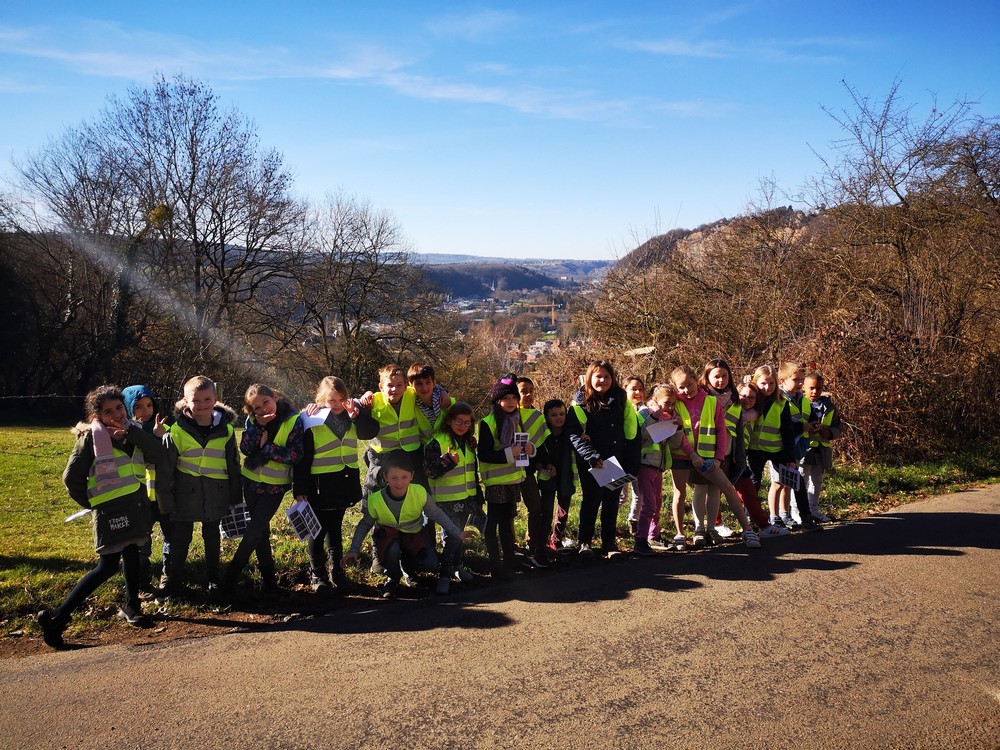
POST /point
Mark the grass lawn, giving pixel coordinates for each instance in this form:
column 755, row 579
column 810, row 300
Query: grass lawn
column 42, row 557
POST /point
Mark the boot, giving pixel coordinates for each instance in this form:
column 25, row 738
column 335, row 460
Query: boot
column 52, row 626
column 320, row 582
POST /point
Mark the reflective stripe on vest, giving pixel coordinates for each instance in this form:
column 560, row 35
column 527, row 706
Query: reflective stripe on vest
column 801, row 411
column 400, row 430
column 706, row 427
column 332, row 453
column 733, row 412
column 766, row 434
column 131, row 473
column 271, row 471
column 530, row 421
column 151, row 481
column 630, row 424
column 815, row 440
column 460, row 482
column 411, row 514
column 198, row 461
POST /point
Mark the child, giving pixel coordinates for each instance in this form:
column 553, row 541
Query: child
column 141, row 406
column 791, row 375
column 539, row 517
column 717, row 380
column 502, row 478
column 452, row 471
column 272, row 445
column 432, row 399
column 823, row 427
column 655, row 459
column 635, row 391
column 395, row 514
column 700, row 415
column 555, row 462
column 605, row 425
column 402, row 426
column 106, row 472
column 772, row 436
column 328, row 476
column 203, row 462
column 744, row 481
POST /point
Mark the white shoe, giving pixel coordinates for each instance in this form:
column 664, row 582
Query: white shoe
column 569, row 544
column 773, row 530
column 724, row 531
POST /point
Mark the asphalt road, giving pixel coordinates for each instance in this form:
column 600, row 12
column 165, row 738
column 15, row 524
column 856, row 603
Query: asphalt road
column 881, row 633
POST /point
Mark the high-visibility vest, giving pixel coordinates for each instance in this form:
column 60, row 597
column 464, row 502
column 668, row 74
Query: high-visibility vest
column 131, row 473
column 666, row 460
column 733, row 412
column 208, row 461
column 707, row 437
column 332, row 454
column 271, row 471
column 531, row 422
column 461, row 481
column 815, row 440
column 766, row 433
column 411, row 514
column 398, row 430
column 630, row 424
column 800, row 411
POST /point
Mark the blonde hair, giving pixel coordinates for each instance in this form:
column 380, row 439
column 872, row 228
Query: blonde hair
column 662, row 390
column 328, row 385
column 200, row 382
column 764, row 371
column 385, row 374
column 788, row 369
column 678, row 372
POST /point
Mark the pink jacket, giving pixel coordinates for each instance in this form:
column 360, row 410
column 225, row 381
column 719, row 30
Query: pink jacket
column 694, row 406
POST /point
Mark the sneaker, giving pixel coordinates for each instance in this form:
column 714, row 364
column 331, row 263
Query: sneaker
column 750, row 539
column 133, row 616
column 772, row 531
column 712, row 537
column 679, row 543
column 536, row 562
column 778, row 521
column 699, row 538
column 658, row 544
column 643, row 549
column 810, row 525
column 820, row 517
column 789, row 522
column 569, row 544
column 389, row 589
column 585, row 551
column 443, row 585
column 723, row 531
column 320, row 582
column 52, row 628
column 612, row 552
column 463, row 576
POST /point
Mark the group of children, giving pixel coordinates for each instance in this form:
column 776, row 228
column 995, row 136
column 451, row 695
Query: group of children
column 426, row 466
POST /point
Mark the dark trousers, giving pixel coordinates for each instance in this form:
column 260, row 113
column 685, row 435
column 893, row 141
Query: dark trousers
column 256, row 539
column 561, row 513
column 500, row 533
column 331, row 536
column 598, row 499
column 539, row 509
column 177, row 537
column 107, row 566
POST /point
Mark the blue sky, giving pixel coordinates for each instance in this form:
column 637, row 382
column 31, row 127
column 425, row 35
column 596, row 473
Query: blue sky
column 525, row 130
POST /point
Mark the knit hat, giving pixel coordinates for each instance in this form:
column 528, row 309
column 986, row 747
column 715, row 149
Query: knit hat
column 132, row 394
column 505, row 386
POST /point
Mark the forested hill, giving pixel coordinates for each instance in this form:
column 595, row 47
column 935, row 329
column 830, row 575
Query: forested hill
column 468, row 276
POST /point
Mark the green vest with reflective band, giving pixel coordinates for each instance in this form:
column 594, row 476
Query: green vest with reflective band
column 630, row 424
column 332, row 454
column 411, row 514
column 398, row 431
column 815, row 440
column 209, row 461
column 131, row 474
column 461, row 481
column 801, row 411
column 733, row 412
column 706, row 427
column 766, row 433
column 666, row 460
column 532, row 422
column 151, row 482
column 271, row 471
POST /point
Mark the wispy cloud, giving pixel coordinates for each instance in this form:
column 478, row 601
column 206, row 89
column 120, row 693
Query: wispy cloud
column 475, row 27
column 807, row 50
column 681, row 48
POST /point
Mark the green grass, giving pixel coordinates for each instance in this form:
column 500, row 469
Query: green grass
column 42, row 557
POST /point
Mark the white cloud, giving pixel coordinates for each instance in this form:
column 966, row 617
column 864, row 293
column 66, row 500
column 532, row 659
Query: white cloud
column 475, row 27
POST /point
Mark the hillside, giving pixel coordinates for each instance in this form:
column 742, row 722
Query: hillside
column 477, row 280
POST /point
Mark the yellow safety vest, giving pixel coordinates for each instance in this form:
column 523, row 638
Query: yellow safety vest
column 460, row 482
column 402, row 429
column 131, row 473
column 706, row 427
column 733, row 412
column 630, row 425
column 198, row 461
column 332, row 454
column 271, row 471
column 532, row 422
column 411, row 514
column 666, row 460
column 815, row 440
column 766, row 433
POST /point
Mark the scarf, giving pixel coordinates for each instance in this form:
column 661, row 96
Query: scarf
column 105, row 469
